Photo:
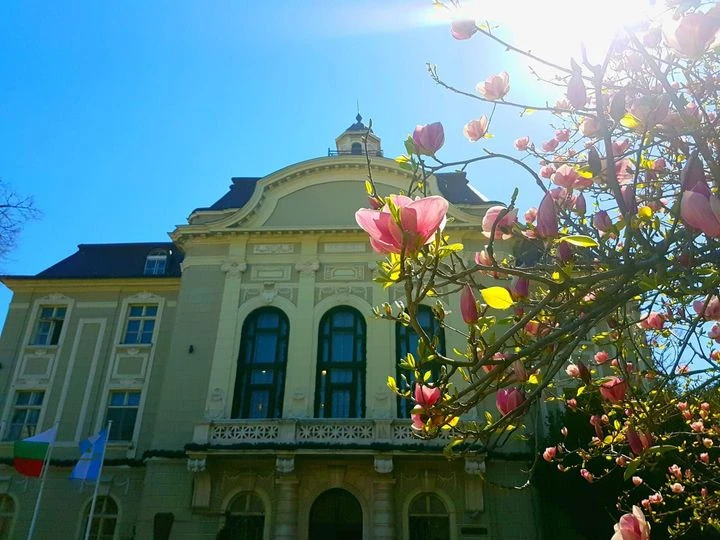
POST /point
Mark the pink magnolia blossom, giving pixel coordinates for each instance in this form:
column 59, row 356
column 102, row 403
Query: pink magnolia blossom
column 565, row 176
column 620, row 147
column 522, row 143
column 601, row 357
column 483, row 258
column 573, row 371
column 463, row 29
column 654, row 321
column 547, row 218
column 475, row 130
column 549, row 453
column 714, row 333
column 550, row 146
column 468, row 305
column 521, row 373
column 531, row 214
column 509, row 399
column 659, row 165
column 711, row 312
column 589, row 127
column 520, row 287
column 587, row 475
column 562, row 135
column 495, row 87
column 692, row 34
column 632, row 526
column 420, row 219
column 628, row 197
column 677, row 488
column 700, row 210
column 698, row 426
column 576, row 93
column 503, row 229
column 580, row 206
column 639, row 441
column 601, row 221
column 428, row 138
column 613, row 390
column 426, row 396
column 546, row 171
column 637, row 481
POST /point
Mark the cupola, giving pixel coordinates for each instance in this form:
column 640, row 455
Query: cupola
column 350, row 142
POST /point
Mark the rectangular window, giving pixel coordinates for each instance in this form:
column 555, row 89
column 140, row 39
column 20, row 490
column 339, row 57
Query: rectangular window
column 140, row 323
column 49, row 325
column 122, row 410
column 25, row 414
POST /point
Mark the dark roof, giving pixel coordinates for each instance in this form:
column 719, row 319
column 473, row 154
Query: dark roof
column 455, row 188
column 111, row 261
column 240, row 192
column 358, row 125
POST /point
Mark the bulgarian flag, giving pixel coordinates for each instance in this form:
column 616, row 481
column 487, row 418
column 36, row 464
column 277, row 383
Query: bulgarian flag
column 29, row 454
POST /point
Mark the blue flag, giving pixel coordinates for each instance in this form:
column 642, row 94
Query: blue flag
column 88, row 467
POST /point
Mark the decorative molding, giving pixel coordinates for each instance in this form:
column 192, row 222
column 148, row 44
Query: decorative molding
column 335, row 432
column 308, row 268
column 270, row 272
column 343, row 291
column 237, row 433
column 344, row 247
column 475, row 465
column 269, row 292
column 285, row 464
column 55, row 297
column 383, row 464
column 344, row 272
column 216, row 405
column 144, row 296
column 196, row 465
column 233, row 268
column 273, row 249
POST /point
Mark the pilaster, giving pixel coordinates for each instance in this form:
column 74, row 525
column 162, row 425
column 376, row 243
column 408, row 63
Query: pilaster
column 383, row 520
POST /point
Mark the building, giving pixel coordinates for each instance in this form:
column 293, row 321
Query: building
column 245, row 377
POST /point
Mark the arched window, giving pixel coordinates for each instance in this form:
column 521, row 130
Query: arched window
column 7, row 516
column 340, row 381
column 260, row 380
column 356, row 149
column 428, row 518
column 244, row 518
column 336, row 513
column 104, row 519
column 156, row 262
column 406, row 340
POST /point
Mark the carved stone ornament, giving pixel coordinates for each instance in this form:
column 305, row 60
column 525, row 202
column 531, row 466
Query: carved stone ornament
column 269, row 292
column 307, row 268
column 383, row 464
column 233, row 268
column 216, row 406
column 285, row 464
column 196, row 465
column 475, row 465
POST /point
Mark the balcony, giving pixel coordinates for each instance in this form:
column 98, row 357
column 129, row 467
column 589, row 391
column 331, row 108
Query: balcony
column 371, row 153
column 357, row 433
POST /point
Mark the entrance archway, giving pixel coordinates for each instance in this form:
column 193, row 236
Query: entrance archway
column 336, row 515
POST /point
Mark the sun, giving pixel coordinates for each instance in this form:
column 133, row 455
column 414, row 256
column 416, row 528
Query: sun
column 552, row 29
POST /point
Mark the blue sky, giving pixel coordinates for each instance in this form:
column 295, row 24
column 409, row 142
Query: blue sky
column 119, row 118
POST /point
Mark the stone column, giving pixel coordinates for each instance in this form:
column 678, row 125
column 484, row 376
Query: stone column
column 219, row 398
column 286, row 489
column 383, row 516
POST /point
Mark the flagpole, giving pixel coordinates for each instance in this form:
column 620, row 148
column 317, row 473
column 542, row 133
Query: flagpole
column 46, row 468
column 97, row 482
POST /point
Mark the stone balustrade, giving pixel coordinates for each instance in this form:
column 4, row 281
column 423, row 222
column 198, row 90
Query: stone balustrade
column 297, row 432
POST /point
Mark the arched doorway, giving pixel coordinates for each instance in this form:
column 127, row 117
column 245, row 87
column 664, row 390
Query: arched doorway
column 336, row 515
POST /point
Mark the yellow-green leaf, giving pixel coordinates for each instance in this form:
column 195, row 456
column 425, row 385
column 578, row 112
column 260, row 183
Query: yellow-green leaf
column 580, row 240
column 497, row 297
column 368, row 187
column 580, row 391
column 534, row 379
column 645, row 212
column 402, row 159
column 392, row 384
column 630, row 121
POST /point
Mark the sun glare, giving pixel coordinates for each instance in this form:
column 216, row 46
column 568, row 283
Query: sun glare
column 553, row 29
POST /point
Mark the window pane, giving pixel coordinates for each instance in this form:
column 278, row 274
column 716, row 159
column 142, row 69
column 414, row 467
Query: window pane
column 151, row 311
column 341, row 404
column 46, row 313
column 259, row 403
column 60, row 312
column 117, row 398
column 341, row 376
column 342, row 346
column 136, row 311
column 265, row 347
column 261, row 376
column 133, row 398
column 23, row 398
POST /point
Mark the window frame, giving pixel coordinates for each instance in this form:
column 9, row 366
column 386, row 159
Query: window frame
column 30, row 406
column 123, row 407
column 243, row 519
column 157, row 262
column 100, row 515
column 245, row 388
column 7, row 516
column 428, row 515
column 55, row 326
column 143, row 319
column 403, row 336
column 326, row 365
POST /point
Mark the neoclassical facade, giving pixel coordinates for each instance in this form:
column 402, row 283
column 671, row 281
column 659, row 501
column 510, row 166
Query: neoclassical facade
column 245, row 376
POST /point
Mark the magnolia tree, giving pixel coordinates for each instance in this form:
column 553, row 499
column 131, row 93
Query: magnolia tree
column 608, row 305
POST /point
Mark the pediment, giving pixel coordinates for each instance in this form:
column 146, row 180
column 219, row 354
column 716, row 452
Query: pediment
column 321, row 194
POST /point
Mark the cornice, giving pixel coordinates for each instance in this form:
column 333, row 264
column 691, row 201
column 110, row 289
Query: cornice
column 20, row 283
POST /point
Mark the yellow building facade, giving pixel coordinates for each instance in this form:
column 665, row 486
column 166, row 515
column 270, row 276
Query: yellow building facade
column 245, row 377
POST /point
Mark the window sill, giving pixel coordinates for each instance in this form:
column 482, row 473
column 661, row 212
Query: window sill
column 134, row 345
